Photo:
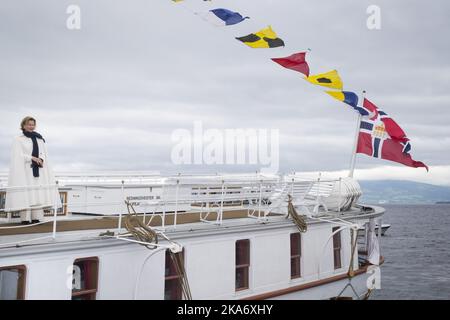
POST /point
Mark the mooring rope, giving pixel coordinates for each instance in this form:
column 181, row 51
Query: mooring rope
column 143, row 233
column 138, row 229
column 351, row 271
column 178, row 261
column 300, row 221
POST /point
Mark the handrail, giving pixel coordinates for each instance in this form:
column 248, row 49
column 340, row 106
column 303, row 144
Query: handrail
column 38, row 186
column 244, row 192
column 213, row 194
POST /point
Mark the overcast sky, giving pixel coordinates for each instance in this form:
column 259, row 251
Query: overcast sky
column 109, row 96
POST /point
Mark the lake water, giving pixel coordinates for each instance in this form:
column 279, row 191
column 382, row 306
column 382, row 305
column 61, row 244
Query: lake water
column 417, row 253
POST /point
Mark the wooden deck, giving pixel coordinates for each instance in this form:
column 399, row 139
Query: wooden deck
column 111, row 223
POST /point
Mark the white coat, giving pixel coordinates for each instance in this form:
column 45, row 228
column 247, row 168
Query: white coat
column 41, row 191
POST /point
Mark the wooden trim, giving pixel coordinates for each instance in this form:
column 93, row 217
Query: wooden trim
column 49, row 212
column 83, row 292
column 86, row 259
column 337, row 259
column 64, row 205
column 173, row 277
column 309, row 285
column 177, row 276
column 242, row 289
column 299, row 273
column 111, row 222
column 94, row 274
column 246, row 266
column 337, row 248
column 21, row 282
column 167, row 256
column 296, row 257
column 247, row 272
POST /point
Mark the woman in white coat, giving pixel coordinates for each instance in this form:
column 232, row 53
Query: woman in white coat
column 31, row 181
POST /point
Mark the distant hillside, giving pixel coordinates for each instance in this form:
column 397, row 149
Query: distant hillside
column 403, row 192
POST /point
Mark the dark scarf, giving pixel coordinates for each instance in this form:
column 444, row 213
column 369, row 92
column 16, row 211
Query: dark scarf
column 35, row 153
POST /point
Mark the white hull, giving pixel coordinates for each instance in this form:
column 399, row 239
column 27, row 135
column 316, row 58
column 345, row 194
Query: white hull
column 332, row 290
column 208, row 231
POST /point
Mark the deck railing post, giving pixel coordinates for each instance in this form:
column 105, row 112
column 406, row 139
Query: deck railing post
column 176, row 204
column 380, row 224
column 340, row 194
column 318, row 195
column 163, row 202
column 366, row 236
column 318, row 185
column 292, row 187
column 260, row 199
column 55, row 209
column 208, row 200
column 85, row 198
column 119, row 227
column 220, row 214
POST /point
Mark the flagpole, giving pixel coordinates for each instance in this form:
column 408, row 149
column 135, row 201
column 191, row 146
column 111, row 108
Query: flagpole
column 355, row 142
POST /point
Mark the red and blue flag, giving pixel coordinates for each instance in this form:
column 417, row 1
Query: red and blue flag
column 374, row 140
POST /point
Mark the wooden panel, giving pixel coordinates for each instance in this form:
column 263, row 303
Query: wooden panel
column 21, row 282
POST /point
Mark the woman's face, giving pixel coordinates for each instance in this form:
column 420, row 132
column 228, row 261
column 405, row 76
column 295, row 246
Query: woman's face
column 29, row 126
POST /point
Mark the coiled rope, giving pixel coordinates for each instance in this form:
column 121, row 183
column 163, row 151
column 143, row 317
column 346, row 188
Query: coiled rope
column 138, row 229
column 300, row 221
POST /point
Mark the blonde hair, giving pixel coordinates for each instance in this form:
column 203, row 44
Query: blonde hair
column 25, row 121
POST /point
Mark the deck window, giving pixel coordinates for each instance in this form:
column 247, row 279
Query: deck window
column 242, row 264
column 12, row 282
column 296, row 253
column 172, row 287
column 85, row 279
column 337, row 249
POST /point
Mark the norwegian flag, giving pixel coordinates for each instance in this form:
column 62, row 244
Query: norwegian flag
column 381, row 137
column 392, row 128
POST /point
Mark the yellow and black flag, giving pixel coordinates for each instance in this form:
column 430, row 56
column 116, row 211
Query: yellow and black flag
column 329, row 79
column 265, row 38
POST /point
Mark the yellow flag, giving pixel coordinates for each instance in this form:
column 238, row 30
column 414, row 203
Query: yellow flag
column 265, row 38
column 339, row 95
column 329, row 79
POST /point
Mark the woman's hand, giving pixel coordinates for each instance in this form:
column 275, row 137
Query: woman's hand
column 39, row 161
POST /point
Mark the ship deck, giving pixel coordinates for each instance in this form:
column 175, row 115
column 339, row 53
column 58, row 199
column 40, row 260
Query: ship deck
column 77, row 228
column 87, row 222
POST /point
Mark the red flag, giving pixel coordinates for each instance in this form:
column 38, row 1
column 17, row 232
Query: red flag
column 294, row 62
column 374, row 141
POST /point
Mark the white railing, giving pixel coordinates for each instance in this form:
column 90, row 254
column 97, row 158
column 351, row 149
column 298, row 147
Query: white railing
column 26, row 188
column 206, row 195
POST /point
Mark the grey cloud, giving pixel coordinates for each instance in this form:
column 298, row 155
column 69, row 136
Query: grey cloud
column 110, row 95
